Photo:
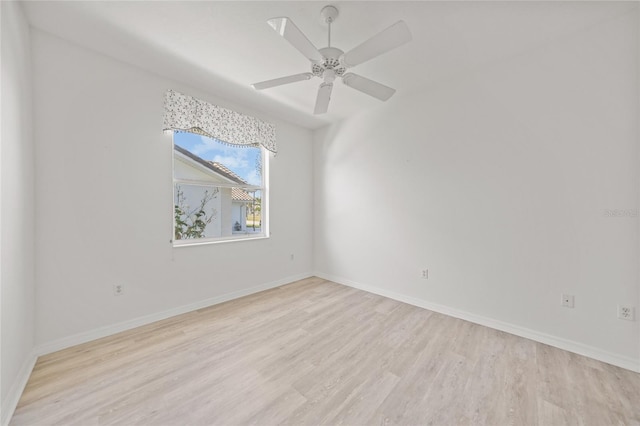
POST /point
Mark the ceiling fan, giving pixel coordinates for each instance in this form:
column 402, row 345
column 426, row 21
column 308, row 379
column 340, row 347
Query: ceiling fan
column 330, row 62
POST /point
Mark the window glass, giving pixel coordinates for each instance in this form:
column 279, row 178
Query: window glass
column 219, row 190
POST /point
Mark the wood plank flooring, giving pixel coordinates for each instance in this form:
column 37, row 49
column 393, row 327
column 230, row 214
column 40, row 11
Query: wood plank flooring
column 315, row 352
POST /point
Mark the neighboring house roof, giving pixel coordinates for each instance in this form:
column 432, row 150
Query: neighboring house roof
column 237, row 194
column 225, row 171
column 221, row 170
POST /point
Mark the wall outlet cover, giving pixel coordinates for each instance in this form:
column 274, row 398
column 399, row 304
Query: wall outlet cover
column 627, row 312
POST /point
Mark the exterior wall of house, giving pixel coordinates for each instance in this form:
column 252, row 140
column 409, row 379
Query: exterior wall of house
column 214, row 208
column 184, row 169
column 225, row 212
column 217, row 208
column 239, row 215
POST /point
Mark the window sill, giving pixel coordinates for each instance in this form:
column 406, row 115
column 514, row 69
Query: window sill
column 207, row 241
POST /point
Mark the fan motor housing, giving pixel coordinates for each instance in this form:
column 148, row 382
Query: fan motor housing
column 332, row 60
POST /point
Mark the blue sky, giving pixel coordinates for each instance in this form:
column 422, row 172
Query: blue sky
column 241, row 160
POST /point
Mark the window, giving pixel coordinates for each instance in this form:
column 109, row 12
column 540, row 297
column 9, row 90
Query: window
column 219, row 190
column 220, row 171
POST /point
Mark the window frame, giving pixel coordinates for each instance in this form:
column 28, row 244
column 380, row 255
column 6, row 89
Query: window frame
column 264, row 203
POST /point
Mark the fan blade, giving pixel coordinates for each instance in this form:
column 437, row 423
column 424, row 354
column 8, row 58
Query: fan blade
column 282, row 80
column 324, row 96
column 370, row 87
column 394, row 36
column 287, row 29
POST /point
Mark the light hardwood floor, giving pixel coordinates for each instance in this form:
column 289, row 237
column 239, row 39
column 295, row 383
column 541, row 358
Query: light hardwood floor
column 315, row 352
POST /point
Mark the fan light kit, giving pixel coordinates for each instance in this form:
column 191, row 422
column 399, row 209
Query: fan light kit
column 330, row 62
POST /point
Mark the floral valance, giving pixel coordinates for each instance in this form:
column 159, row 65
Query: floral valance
column 186, row 113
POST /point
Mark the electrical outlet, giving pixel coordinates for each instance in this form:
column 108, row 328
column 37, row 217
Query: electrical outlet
column 424, row 274
column 568, row 300
column 118, row 289
column 626, row 312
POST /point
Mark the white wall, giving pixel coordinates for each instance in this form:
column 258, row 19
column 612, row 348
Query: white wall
column 104, row 187
column 498, row 183
column 17, row 219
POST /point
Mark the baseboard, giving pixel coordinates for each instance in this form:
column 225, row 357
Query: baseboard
column 17, row 387
column 109, row 330
column 555, row 341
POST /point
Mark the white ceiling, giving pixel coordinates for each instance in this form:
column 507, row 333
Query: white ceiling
column 224, row 47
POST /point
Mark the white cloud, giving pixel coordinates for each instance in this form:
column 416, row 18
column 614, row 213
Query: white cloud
column 234, row 162
column 205, row 146
column 253, row 178
column 241, row 160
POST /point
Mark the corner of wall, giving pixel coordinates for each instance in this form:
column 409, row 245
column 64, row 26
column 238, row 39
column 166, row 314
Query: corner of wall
column 17, row 235
column 10, row 401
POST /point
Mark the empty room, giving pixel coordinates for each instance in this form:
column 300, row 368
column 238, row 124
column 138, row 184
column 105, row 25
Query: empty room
column 302, row 212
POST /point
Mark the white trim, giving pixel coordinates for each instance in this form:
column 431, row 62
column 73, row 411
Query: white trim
column 108, row 330
column 201, row 168
column 548, row 339
column 193, row 182
column 238, row 236
column 15, row 391
column 266, row 193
